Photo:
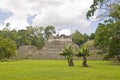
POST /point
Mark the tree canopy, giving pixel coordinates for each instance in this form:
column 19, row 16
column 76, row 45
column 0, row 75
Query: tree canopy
column 109, row 8
column 77, row 38
column 49, row 30
column 30, row 36
column 107, row 35
column 7, row 48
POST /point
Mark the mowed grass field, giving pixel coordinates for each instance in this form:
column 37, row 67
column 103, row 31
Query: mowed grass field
column 58, row 70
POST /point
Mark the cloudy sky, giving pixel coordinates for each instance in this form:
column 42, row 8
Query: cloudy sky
column 66, row 15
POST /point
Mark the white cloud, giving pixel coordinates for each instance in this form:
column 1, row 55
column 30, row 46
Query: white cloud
column 63, row 14
column 17, row 22
column 65, row 31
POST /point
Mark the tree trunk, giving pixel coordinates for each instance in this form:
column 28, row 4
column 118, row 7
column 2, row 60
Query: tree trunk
column 70, row 62
column 119, row 58
column 84, row 63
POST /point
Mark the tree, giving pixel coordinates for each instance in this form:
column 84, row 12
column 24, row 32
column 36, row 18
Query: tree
column 68, row 53
column 36, row 36
column 86, row 37
column 114, row 47
column 31, row 36
column 38, row 41
column 83, row 52
column 107, row 37
column 114, row 42
column 7, row 48
column 6, row 31
column 49, row 30
column 92, row 36
column 102, row 36
column 77, row 38
column 23, row 38
column 115, row 11
column 109, row 8
column 107, row 33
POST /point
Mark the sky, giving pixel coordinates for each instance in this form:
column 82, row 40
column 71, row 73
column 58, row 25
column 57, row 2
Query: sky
column 66, row 16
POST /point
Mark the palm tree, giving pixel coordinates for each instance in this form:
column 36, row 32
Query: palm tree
column 83, row 52
column 68, row 53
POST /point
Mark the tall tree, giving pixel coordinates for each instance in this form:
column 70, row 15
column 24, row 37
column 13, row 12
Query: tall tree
column 108, row 32
column 107, row 37
column 23, row 38
column 86, row 37
column 49, row 30
column 92, row 35
column 102, row 34
column 78, row 38
column 108, row 7
column 7, row 48
column 114, row 42
column 36, row 36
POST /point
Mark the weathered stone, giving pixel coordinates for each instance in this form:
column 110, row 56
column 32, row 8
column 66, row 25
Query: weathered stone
column 54, row 46
column 27, row 52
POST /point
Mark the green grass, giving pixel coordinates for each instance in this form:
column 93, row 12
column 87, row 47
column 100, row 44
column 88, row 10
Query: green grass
column 58, row 70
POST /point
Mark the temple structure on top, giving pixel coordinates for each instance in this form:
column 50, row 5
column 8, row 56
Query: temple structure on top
column 59, row 39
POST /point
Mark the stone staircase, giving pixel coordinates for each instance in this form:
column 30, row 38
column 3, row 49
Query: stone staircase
column 52, row 51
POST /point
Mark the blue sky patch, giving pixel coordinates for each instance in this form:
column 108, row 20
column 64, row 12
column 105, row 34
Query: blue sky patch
column 30, row 19
column 4, row 15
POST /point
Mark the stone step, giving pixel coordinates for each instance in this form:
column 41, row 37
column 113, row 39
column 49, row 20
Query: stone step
column 50, row 52
column 56, row 47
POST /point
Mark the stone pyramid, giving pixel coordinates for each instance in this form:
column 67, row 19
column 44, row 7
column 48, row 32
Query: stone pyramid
column 53, row 47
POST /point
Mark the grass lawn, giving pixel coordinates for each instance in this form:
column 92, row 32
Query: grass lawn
column 58, row 70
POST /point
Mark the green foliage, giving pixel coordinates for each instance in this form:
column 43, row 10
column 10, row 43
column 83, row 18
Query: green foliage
column 36, row 36
column 114, row 43
column 114, row 46
column 7, row 48
column 111, row 7
column 68, row 53
column 107, row 34
column 30, row 36
column 94, row 7
column 38, row 41
column 49, row 30
column 92, row 36
column 107, row 37
column 77, row 38
column 103, row 33
column 82, row 51
column 23, row 39
column 86, row 37
column 115, row 11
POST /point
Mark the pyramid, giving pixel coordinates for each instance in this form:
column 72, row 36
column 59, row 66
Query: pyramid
column 53, row 47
